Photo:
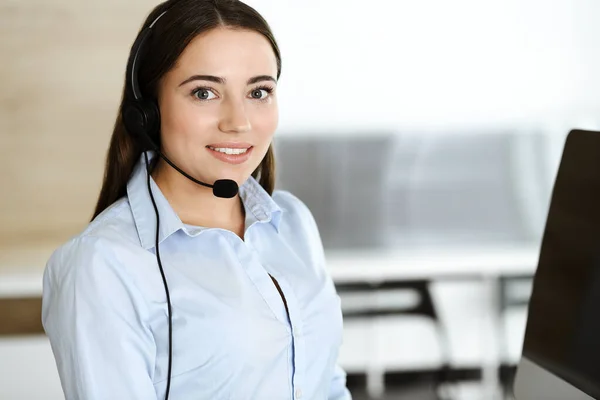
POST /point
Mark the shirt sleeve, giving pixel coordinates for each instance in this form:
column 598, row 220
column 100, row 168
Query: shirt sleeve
column 338, row 389
column 94, row 317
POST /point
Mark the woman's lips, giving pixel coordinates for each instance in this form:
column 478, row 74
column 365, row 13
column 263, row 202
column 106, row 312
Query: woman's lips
column 230, row 145
column 231, row 158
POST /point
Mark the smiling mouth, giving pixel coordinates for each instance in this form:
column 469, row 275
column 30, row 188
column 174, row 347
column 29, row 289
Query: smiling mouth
column 231, row 155
column 229, row 150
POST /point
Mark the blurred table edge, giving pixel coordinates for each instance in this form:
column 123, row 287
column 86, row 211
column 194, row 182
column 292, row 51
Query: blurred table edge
column 433, row 263
column 364, row 265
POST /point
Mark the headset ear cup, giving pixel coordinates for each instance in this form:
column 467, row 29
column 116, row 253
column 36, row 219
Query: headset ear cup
column 152, row 121
column 142, row 121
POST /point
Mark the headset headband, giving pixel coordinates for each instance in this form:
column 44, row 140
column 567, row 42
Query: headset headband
column 135, row 65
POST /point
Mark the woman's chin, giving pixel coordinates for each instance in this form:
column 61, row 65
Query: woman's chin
column 238, row 177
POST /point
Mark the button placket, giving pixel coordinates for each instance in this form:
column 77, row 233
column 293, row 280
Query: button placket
column 297, row 335
column 264, row 284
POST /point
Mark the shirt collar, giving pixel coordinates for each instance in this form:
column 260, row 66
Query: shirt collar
column 258, row 204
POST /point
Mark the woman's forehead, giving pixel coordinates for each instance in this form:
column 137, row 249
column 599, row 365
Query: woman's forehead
column 228, row 53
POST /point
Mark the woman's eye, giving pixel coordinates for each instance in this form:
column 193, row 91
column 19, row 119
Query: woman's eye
column 259, row 94
column 203, row 94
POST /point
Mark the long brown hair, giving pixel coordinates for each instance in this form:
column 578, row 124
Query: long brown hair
column 184, row 20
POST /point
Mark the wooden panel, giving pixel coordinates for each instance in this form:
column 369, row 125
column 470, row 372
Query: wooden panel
column 21, row 316
column 61, row 74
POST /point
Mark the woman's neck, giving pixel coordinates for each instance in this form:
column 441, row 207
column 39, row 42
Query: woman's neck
column 196, row 204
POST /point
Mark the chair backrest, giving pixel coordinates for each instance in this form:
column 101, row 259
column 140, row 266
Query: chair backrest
column 416, row 188
column 467, row 187
column 411, row 297
column 342, row 181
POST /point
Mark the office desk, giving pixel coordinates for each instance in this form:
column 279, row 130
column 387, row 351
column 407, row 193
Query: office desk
column 485, row 264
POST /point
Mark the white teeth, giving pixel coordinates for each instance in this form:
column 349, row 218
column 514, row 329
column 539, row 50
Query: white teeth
column 228, row 150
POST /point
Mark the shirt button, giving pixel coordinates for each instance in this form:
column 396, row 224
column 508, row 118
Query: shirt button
column 298, row 393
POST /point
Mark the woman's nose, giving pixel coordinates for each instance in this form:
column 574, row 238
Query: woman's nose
column 234, row 118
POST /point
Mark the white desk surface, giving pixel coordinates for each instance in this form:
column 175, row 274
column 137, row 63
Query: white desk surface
column 431, row 263
column 344, row 266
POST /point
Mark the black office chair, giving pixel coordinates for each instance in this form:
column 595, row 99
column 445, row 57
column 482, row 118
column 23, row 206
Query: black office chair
column 424, row 307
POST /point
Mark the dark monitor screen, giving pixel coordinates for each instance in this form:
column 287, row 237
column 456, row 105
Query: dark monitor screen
column 563, row 326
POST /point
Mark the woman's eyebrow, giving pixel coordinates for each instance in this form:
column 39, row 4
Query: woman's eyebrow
column 261, row 78
column 222, row 81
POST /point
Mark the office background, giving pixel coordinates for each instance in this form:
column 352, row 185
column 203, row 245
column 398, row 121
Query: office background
column 424, row 136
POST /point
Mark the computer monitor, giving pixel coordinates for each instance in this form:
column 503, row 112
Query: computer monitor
column 561, row 349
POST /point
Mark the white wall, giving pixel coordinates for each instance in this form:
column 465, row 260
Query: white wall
column 28, row 369
column 387, row 63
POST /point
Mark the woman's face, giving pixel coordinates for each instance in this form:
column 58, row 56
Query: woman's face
column 218, row 105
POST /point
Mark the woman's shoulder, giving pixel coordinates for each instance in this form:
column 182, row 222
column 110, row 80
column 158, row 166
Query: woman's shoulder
column 295, row 213
column 290, row 203
column 115, row 219
column 111, row 229
column 293, row 208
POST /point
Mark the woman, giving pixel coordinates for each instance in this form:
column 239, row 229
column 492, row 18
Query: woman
column 174, row 289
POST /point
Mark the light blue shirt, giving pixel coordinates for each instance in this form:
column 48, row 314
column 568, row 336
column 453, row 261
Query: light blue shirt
column 105, row 311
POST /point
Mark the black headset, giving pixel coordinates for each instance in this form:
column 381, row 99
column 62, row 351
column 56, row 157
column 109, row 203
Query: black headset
column 141, row 118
